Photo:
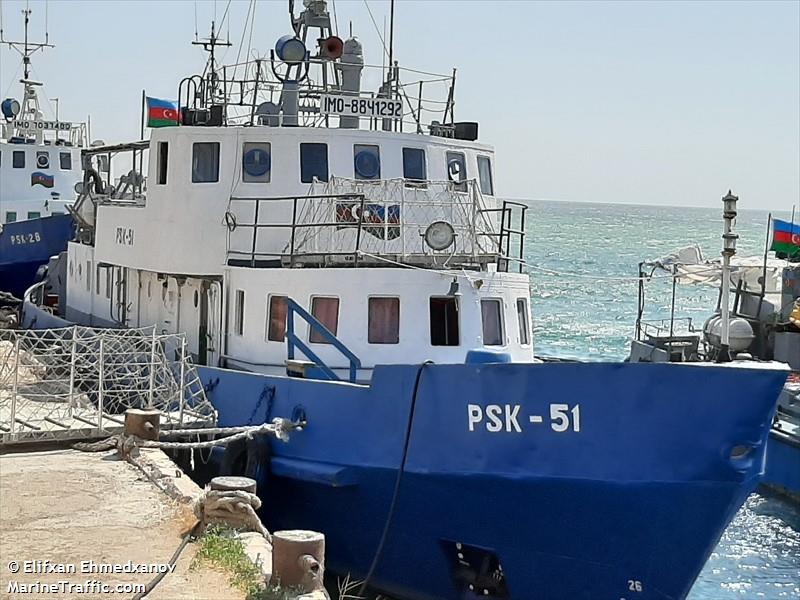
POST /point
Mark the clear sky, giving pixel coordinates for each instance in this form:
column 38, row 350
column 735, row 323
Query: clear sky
column 638, row 102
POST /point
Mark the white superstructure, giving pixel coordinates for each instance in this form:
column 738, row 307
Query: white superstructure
column 394, row 241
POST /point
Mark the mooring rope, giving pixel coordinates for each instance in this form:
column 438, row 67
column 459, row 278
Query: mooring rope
column 125, row 444
column 235, row 508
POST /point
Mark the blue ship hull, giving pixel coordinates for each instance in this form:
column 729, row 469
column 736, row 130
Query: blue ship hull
column 27, row 245
column 501, row 484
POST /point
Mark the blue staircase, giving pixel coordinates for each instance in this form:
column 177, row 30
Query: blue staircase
column 322, row 371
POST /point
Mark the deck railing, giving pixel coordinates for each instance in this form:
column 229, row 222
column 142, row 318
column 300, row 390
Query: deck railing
column 76, row 382
column 348, row 222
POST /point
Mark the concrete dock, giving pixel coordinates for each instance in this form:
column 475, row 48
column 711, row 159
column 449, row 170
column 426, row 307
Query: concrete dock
column 90, row 513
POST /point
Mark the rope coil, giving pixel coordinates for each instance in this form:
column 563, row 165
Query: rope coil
column 235, row 508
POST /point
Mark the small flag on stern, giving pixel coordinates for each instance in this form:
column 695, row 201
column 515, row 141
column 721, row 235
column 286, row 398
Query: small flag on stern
column 785, row 238
column 162, row 113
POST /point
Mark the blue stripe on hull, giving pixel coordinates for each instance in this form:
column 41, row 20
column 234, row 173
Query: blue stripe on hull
column 18, row 277
column 556, row 539
column 641, row 493
column 26, row 245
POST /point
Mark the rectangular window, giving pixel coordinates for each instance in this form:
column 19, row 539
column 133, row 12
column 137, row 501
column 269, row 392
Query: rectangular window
column 444, row 321
column 366, row 161
column 11, row 216
column 492, row 317
column 34, row 214
column 276, row 319
column 313, row 162
column 65, row 158
column 163, row 161
column 383, row 321
column 457, row 171
column 238, row 323
column 205, row 162
column 18, row 159
column 97, row 280
column 414, row 168
column 256, row 162
column 88, row 276
column 326, row 311
column 522, row 320
column 485, row 175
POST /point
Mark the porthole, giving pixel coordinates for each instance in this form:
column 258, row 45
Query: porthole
column 256, row 162
column 366, row 161
column 367, row 164
column 43, row 160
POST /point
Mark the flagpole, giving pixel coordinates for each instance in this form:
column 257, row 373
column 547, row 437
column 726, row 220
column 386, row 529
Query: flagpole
column 141, row 131
column 791, row 233
column 764, row 272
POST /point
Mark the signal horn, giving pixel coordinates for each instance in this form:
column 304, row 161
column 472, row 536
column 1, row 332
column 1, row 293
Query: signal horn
column 331, row 47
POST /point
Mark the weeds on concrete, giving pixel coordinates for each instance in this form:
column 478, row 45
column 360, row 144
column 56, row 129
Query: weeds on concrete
column 220, row 548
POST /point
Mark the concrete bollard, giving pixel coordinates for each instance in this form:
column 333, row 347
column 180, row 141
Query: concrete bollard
column 229, row 483
column 143, row 423
column 298, row 559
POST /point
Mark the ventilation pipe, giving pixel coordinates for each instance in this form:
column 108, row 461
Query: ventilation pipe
column 290, row 100
column 350, row 66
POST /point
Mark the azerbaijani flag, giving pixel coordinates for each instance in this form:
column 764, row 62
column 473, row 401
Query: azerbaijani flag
column 43, row 179
column 785, row 238
column 162, row 113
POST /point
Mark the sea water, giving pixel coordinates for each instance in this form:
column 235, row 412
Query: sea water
column 584, row 260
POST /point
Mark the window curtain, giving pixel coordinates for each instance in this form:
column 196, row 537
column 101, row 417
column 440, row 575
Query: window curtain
column 384, row 320
column 326, row 310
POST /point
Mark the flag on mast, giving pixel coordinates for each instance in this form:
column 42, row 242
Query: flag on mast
column 162, row 113
column 785, row 238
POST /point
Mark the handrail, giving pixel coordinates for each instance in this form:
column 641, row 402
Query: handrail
column 293, row 340
column 316, row 233
column 294, row 225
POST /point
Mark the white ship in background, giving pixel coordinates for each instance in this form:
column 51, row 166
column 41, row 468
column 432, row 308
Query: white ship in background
column 40, row 166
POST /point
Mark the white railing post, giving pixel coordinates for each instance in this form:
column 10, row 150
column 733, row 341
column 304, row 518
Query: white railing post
column 72, row 360
column 473, row 220
column 152, row 369
column 15, row 386
column 100, row 386
column 183, row 380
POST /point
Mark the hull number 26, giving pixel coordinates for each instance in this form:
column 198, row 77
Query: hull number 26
column 509, row 418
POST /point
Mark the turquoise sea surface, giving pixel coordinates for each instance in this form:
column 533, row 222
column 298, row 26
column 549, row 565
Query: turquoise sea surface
column 583, row 308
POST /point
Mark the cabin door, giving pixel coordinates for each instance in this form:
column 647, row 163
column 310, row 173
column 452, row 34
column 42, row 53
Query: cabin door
column 209, row 326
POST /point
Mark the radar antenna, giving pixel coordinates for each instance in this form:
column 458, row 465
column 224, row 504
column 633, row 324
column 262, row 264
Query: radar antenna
column 25, row 48
column 209, row 44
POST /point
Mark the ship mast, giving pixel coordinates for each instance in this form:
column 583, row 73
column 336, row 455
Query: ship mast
column 26, row 48
column 209, row 44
